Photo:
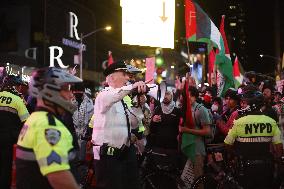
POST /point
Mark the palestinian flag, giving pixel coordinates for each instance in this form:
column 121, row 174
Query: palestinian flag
column 199, row 27
column 224, row 64
column 237, row 74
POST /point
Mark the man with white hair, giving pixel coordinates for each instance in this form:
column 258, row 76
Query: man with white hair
column 115, row 161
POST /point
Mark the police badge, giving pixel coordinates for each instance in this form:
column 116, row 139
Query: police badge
column 52, row 136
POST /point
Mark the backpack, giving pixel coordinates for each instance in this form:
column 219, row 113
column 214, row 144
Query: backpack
column 209, row 138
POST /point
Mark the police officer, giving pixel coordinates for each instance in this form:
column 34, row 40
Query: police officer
column 45, row 144
column 13, row 113
column 252, row 134
column 115, row 160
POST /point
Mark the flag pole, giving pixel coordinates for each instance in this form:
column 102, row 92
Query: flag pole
column 209, row 69
column 209, row 75
column 187, row 45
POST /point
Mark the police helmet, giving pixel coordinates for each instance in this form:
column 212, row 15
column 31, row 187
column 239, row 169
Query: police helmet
column 254, row 99
column 10, row 81
column 46, row 84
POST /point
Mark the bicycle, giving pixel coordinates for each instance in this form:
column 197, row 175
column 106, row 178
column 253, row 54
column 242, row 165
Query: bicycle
column 219, row 174
column 88, row 181
column 159, row 174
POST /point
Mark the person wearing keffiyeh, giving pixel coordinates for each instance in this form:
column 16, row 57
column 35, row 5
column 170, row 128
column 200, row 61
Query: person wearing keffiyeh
column 164, row 125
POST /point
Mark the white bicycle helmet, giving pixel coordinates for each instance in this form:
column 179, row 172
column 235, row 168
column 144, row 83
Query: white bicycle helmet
column 46, row 84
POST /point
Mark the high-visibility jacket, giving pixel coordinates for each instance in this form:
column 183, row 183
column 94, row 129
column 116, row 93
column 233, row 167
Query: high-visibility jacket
column 13, row 113
column 44, row 146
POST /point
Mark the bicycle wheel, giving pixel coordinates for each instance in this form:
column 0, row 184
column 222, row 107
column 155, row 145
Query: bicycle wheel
column 88, row 180
column 210, row 182
column 206, row 182
column 159, row 180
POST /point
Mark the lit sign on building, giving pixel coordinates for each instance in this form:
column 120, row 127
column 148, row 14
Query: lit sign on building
column 73, row 44
column 73, row 19
column 23, row 72
column 148, row 23
column 73, row 32
column 73, row 23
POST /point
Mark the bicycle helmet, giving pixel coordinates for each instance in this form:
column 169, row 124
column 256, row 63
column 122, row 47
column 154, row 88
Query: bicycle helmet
column 46, row 84
column 10, row 81
column 254, row 99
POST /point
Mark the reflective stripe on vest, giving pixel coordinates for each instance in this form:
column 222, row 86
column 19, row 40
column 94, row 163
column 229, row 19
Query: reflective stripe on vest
column 254, row 139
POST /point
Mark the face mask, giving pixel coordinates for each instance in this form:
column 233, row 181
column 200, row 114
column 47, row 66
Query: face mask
column 207, row 98
column 214, row 108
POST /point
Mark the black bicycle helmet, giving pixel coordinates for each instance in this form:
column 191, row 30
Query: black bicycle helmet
column 10, row 81
column 254, row 99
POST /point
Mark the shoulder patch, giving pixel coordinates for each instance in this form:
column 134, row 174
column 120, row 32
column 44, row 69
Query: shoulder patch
column 52, row 136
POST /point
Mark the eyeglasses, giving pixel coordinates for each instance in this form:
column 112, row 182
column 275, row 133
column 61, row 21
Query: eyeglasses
column 66, row 87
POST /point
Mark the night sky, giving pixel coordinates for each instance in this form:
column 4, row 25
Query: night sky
column 260, row 28
column 264, row 29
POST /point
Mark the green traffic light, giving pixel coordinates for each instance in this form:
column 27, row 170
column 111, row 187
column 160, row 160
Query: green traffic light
column 159, row 61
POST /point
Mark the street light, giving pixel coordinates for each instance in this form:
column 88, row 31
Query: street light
column 273, row 57
column 107, row 28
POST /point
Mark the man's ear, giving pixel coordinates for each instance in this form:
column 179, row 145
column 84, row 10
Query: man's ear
column 110, row 77
column 113, row 76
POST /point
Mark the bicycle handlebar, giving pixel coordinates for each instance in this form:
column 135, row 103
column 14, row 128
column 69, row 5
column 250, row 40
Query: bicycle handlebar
column 156, row 153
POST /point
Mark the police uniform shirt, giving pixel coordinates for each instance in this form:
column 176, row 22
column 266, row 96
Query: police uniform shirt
column 12, row 113
column 253, row 135
column 110, row 125
column 43, row 146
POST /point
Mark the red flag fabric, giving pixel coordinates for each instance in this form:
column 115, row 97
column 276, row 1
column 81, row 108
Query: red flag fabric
column 189, row 120
column 110, row 59
column 211, row 61
column 190, row 19
column 236, row 69
column 237, row 73
column 199, row 27
column 222, row 31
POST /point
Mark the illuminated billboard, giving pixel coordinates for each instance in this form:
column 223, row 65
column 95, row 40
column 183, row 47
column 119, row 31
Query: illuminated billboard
column 148, row 22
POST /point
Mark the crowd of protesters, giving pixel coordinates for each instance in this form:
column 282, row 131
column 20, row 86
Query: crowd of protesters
column 124, row 122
